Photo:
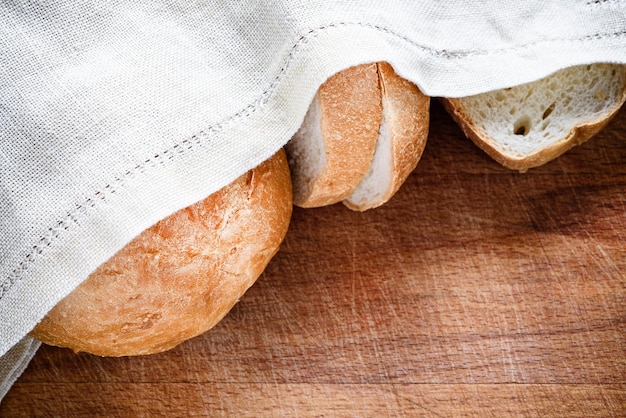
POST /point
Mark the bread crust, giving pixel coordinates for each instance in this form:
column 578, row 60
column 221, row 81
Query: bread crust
column 578, row 134
column 406, row 110
column 180, row 277
column 351, row 111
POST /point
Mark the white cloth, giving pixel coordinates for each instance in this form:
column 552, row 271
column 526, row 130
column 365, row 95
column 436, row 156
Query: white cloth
column 114, row 114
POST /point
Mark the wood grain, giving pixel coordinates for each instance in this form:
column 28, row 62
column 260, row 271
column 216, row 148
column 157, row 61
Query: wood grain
column 475, row 291
column 309, row 399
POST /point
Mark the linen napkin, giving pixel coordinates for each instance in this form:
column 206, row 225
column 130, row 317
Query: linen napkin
column 115, row 114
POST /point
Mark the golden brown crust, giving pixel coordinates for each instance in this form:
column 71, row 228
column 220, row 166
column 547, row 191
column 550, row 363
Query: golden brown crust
column 351, row 112
column 411, row 109
column 407, row 112
column 180, row 277
column 576, row 136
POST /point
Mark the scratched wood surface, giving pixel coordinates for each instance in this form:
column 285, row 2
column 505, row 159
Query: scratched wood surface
column 475, row 291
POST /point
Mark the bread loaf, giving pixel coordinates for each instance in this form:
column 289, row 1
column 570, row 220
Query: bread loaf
column 181, row 276
column 528, row 125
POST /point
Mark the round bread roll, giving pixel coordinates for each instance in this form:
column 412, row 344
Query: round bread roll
column 180, row 277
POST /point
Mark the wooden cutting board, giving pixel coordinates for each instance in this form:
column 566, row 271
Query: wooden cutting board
column 475, row 291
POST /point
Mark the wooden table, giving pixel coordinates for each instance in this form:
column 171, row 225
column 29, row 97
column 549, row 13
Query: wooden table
column 475, row 291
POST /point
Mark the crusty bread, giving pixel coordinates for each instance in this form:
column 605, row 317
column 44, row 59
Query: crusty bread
column 401, row 140
column 334, row 146
column 528, row 125
column 181, row 276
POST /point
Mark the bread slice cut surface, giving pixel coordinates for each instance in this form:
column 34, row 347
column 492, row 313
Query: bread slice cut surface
column 528, row 125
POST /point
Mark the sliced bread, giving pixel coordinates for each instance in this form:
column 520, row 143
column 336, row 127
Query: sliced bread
column 334, row 147
column 401, row 140
column 528, row 125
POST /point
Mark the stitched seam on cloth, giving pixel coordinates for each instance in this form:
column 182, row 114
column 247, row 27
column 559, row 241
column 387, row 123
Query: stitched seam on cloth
column 602, row 2
column 201, row 138
column 466, row 53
